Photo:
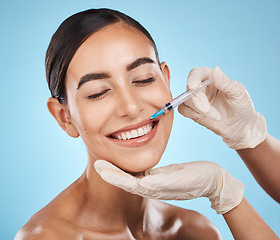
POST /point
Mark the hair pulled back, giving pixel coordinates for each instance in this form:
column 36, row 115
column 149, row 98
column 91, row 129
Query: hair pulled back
column 69, row 37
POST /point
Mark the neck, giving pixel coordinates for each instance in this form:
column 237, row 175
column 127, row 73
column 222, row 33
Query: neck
column 107, row 205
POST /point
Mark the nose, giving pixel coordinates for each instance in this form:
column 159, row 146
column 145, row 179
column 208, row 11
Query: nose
column 130, row 104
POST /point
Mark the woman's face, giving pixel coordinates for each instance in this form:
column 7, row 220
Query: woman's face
column 114, row 84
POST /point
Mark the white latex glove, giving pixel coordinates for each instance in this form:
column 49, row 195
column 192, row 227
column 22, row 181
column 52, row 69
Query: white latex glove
column 225, row 107
column 179, row 182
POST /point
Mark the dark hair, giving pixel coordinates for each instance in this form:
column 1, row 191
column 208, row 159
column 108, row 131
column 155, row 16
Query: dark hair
column 69, row 37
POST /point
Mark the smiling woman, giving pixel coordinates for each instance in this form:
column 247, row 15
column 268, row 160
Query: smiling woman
column 128, row 86
column 106, row 81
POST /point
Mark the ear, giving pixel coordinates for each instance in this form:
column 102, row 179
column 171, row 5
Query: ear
column 62, row 116
column 165, row 72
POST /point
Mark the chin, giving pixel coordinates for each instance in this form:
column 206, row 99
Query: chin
column 140, row 165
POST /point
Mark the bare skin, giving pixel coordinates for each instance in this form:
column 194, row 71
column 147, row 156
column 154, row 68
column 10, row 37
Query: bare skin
column 84, row 211
column 264, row 163
column 91, row 208
column 245, row 223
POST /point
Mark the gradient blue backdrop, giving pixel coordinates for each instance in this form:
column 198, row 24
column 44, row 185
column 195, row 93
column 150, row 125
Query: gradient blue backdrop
column 38, row 160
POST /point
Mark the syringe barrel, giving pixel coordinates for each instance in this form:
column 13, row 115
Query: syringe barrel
column 168, row 107
column 187, row 95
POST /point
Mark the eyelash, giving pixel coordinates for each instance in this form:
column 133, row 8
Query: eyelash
column 98, row 95
column 142, row 82
column 146, row 81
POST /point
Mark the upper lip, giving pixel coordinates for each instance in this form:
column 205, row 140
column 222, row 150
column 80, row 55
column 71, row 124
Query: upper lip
column 134, row 126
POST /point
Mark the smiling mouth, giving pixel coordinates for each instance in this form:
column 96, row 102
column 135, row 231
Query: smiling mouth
column 134, row 133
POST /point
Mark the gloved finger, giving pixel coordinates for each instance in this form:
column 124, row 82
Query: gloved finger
column 201, row 102
column 213, row 114
column 152, row 187
column 163, row 181
column 189, row 112
column 233, row 89
column 101, row 165
column 198, row 103
column 164, row 195
column 116, row 176
column 185, row 181
column 173, row 186
column 198, row 75
column 165, row 169
column 167, row 177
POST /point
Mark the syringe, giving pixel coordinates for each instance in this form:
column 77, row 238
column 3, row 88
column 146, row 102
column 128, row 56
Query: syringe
column 180, row 99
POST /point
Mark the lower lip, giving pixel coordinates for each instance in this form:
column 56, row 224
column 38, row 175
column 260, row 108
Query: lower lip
column 137, row 142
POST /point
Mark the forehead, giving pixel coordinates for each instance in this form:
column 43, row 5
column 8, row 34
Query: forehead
column 113, row 45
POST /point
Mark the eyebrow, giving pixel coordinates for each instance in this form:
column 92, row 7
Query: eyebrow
column 103, row 75
column 138, row 62
column 92, row 76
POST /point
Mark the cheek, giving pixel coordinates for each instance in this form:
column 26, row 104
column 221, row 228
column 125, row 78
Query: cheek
column 89, row 119
column 160, row 95
column 87, row 116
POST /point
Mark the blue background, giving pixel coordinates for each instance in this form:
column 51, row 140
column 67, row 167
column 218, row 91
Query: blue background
column 38, row 160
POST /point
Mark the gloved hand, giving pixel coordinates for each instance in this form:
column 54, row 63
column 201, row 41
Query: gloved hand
column 179, row 182
column 225, row 107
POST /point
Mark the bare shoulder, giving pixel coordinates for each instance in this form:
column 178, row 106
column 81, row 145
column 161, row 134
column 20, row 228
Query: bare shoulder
column 193, row 225
column 51, row 221
column 197, row 226
column 44, row 229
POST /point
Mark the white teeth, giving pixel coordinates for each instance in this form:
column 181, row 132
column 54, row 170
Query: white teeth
column 145, row 130
column 140, row 131
column 128, row 135
column 134, row 133
column 123, row 136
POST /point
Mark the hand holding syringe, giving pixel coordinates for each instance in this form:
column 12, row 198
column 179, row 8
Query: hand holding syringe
column 180, row 99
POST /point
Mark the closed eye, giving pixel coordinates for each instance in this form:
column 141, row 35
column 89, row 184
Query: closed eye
column 98, row 95
column 144, row 82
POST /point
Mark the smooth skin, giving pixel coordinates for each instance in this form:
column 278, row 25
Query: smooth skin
column 263, row 161
column 91, row 208
column 245, row 223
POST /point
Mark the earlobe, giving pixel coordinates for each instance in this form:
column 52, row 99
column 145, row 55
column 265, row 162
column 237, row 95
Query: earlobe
column 62, row 116
column 165, row 72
